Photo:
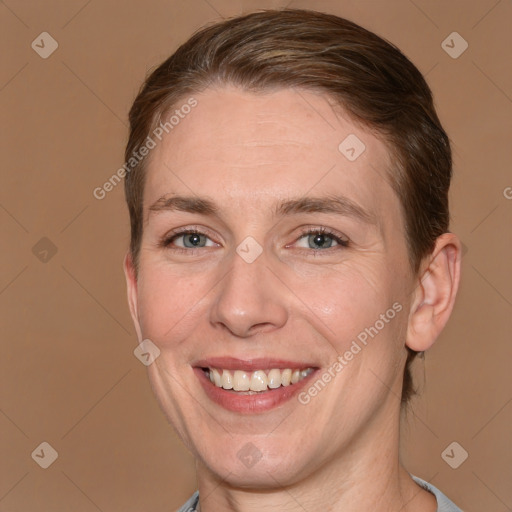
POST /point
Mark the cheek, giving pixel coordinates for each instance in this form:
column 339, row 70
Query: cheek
column 348, row 300
column 168, row 304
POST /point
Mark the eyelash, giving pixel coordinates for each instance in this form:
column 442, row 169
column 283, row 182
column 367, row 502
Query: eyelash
column 342, row 242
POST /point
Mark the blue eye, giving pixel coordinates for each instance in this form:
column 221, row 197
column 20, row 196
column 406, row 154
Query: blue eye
column 192, row 239
column 317, row 239
column 322, row 238
column 325, row 242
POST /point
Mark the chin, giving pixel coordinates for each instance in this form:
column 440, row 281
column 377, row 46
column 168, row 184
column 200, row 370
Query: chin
column 243, row 465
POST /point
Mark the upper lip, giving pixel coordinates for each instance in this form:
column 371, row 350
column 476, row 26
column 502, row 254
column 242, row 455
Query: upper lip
column 250, row 365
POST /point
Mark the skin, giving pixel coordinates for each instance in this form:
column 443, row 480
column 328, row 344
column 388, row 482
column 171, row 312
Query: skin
column 245, row 151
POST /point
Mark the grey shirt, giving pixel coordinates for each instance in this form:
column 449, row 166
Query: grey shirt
column 443, row 503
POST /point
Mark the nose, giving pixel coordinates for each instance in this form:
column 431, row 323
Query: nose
column 250, row 298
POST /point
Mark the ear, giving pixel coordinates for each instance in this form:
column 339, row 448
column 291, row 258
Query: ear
column 434, row 295
column 131, row 289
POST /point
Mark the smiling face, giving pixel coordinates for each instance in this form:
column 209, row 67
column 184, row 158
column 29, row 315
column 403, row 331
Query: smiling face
column 268, row 166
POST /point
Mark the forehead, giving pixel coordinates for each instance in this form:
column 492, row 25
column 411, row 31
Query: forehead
column 248, row 149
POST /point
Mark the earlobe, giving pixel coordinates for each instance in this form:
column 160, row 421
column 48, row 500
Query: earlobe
column 131, row 290
column 434, row 296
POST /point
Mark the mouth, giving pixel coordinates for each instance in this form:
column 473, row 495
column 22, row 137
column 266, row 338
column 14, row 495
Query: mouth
column 253, row 386
column 259, row 381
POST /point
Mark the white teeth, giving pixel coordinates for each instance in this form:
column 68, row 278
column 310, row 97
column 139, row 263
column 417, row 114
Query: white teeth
column 217, row 378
column 252, row 382
column 306, row 372
column 227, row 379
column 286, row 377
column 274, row 378
column 258, row 381
column 241, row 381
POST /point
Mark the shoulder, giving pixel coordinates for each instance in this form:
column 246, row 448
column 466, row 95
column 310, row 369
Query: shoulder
column 191, row 504
column 443, row 503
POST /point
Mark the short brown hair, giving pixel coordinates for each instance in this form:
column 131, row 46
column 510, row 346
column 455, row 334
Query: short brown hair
column 292, row 48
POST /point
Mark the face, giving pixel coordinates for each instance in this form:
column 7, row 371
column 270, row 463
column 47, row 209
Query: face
column 297, row 261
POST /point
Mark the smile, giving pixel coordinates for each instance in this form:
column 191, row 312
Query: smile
column 252, row 386
column 255, row 382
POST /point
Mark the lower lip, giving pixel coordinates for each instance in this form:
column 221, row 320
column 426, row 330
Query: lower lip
column 251, row 404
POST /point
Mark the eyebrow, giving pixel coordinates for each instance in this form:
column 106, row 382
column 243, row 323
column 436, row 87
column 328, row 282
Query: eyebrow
column 337, row 204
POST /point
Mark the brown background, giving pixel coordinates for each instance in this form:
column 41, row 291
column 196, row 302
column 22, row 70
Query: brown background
column 68, row 373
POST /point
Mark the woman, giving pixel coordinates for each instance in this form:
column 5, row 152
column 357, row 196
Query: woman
column 287, row 182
